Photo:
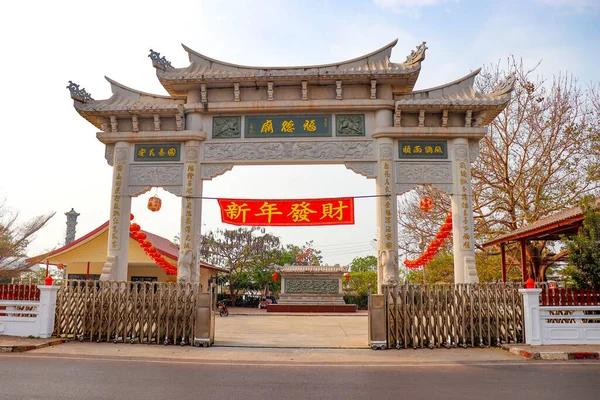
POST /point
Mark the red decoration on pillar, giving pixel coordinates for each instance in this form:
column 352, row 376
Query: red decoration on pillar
column 48, row 280
column 529, row 283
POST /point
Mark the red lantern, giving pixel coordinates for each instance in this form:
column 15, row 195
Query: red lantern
column 275, row 276
column 146, row 243
column 426, row 204
column 60, row 266
column 154, row 203
column 347, row 276
column 134, row 227
column 449, row 218
column 142, row 236
column 131, row 217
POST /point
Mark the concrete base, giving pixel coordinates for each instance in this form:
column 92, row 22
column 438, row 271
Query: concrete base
column 311, row 308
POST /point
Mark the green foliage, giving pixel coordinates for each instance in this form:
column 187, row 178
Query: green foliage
column 439, row 270
column 489, row 269
column 585, row 249
column 360, row 281
column 363, row 264
column 300, row 255
column 249, row 253
column 361, row 301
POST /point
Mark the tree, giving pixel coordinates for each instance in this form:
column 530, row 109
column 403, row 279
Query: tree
column 360, row 281
column 14, row 239
column 246, row 252
column 438, row 270
column 301, row 255
column 540, row 155
column 363, row 264
column 584, row 248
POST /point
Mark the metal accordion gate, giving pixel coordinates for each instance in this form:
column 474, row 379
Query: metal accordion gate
column 446, row 315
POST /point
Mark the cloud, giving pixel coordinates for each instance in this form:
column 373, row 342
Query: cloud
column 409, row 7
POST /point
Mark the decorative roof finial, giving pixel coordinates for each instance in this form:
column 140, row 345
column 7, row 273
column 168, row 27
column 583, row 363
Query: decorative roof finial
column 506, row 86
column 158, row 61
column 417, row 55
column 78, row 94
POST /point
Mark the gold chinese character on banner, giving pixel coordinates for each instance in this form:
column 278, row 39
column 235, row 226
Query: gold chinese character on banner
column 268, row 209
column 406, row 150
column 172, row 151
column 300, row 212
column 438, row 149
column 142, row 152
column 334, row 212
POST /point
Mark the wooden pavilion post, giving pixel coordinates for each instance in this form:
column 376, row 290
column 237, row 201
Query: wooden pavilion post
column 524, row 273
column 503, row 254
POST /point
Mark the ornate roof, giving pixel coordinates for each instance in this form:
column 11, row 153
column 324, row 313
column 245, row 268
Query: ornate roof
column 124, row 101
column 375, row 65
column 313, row 269
column 460, row 95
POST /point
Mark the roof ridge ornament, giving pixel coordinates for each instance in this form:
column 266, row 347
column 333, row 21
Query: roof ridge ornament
column 158, row 61
column 417, row 55
column 505, row 86
column 78, row 94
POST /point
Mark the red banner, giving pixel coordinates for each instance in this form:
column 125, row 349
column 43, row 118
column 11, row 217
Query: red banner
column 303, row 212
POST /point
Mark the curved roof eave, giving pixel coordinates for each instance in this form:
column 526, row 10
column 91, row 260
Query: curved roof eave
column 126, row 91
column 378, row 54
column 460, row 84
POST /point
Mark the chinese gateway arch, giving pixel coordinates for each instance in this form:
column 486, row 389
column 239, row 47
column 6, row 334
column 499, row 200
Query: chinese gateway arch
column 362, row 113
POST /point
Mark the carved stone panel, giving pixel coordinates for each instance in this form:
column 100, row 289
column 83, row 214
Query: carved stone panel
column 312, row 286
column 424, row 173
column 210, row 171
column 473, row 150
column 226, row 127
column 290, row 151
column 156, row 175
column 109, row 154
column 364, row 168
column 350, row 125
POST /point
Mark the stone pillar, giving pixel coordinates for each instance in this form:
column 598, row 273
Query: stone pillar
column 191, row 215
column 462, row 215
column 47, row 310
column 387, row 226
column 71, row 224
column 117, row 259
column 531, row 315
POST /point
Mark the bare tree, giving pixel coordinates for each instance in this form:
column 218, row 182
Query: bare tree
column 539, row 157
column 14, row 239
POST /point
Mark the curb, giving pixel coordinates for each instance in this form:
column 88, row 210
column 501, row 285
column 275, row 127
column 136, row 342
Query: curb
column 552, row 355
column 22, row 348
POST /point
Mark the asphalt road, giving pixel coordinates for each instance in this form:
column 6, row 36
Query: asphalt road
column 32, row 377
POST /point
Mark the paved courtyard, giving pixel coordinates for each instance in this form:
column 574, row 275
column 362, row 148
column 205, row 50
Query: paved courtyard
column 253, row 329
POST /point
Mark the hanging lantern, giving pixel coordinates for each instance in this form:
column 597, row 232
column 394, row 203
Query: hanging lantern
column 142, row 236
column 449, row 218
column 134, row 227
column 60, row 266
column 347, row 276
column 131, row 217
column 275, row 276
column 154, row 203
column 426, row 204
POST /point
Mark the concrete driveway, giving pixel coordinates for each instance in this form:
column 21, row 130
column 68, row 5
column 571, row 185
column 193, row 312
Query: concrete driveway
column 275, row 330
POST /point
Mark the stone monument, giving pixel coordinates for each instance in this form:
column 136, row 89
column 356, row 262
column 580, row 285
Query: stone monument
column 312, row 289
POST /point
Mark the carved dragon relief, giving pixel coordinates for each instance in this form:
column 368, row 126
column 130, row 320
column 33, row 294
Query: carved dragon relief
column 156, row 175
column 367, row 168
column 290, row 150
column 210, row 171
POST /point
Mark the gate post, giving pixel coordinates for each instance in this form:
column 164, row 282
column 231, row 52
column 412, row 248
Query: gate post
column 377, row 320
column 531, row 315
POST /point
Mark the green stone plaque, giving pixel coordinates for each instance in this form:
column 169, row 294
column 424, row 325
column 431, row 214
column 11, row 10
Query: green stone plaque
column 157, row 152
column 288, row 126
column 420, row 149
column 350, row 125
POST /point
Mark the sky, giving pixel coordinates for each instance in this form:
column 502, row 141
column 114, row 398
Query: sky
column 51, row 160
